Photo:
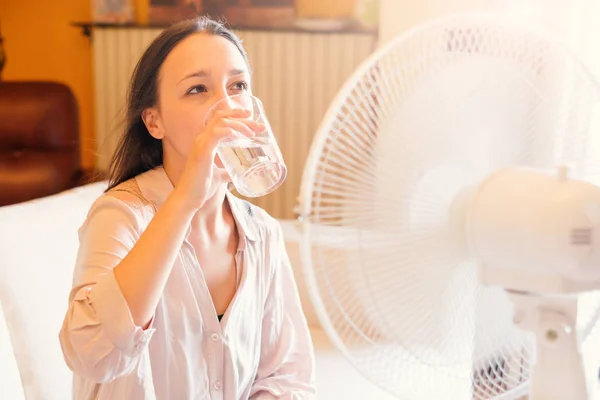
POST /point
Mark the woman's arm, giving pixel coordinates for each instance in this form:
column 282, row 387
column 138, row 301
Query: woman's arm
column 143, row 273
column 118, row 280
column 286, row 368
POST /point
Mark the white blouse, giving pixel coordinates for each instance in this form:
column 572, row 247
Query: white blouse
column 261, row 349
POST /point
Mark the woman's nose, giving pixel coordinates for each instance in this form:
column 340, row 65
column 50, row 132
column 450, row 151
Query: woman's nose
column 228, row 103
column 225, row 102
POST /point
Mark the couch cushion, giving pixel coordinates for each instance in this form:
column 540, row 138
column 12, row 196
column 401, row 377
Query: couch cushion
column 38, row 246
column 10, row 382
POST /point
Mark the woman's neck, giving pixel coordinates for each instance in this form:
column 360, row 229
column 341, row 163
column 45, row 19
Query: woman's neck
column 214, row 215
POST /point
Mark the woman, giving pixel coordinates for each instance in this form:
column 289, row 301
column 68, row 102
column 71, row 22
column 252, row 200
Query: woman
column 182, row 291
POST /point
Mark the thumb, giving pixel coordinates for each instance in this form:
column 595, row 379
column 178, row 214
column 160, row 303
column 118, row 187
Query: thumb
column 221, row 174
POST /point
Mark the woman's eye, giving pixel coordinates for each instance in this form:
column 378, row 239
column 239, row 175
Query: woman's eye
column 197, row 89
column 240, row 86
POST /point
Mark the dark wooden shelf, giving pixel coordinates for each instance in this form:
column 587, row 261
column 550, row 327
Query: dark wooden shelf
column 87, row 27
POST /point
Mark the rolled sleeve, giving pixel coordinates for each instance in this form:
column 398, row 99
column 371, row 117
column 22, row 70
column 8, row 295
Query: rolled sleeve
column 99, row 339
column 111, row 307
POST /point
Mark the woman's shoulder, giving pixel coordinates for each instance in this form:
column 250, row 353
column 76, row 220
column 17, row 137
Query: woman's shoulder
column 129, row 192
column 125, row 202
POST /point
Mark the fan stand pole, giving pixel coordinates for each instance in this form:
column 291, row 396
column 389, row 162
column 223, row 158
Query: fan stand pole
column 557, row 371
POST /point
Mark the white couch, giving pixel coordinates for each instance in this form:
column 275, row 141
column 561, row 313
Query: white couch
column 38, row 244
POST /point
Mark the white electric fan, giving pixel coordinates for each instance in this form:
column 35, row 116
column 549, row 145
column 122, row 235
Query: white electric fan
column 451, row 229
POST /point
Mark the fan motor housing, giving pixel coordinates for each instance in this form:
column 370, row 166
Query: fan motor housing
column 539, row 225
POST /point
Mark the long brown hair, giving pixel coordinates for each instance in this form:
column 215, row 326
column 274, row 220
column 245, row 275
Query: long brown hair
column 138, row 151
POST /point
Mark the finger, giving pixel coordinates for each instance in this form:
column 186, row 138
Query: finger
column 231, row 113
column 221, row 174
column 255, row 126
column 230, row 129
column 239, row 126
column 223, row 133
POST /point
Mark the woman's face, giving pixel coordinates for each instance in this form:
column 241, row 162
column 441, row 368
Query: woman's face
column 199, row 71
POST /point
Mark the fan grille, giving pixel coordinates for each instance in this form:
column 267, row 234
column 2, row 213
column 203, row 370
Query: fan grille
column 434, row 112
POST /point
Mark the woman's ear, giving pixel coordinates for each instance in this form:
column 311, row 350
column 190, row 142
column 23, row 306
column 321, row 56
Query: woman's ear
column 152, row 121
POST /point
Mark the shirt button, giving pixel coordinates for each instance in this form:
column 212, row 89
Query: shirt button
column 214, row 337
column 217, row 385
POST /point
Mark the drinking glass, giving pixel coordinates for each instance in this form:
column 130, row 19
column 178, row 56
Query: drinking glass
column 255, row 165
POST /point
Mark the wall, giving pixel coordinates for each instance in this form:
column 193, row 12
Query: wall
column 41, row 44
column 338, row 8
column 568, row 18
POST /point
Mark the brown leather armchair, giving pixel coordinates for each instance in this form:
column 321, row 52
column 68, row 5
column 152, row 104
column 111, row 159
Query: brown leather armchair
column 39, row 140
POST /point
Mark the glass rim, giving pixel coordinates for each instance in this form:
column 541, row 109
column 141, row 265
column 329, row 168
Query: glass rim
column 251, row 96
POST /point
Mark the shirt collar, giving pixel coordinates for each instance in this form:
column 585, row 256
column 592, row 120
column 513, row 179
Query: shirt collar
column 156, row 186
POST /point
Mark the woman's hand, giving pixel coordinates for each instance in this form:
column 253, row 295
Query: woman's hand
column 201, row 177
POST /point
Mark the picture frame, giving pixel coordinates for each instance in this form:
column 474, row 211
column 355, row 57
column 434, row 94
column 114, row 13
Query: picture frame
column 171, row 11
column 260, row 13
column 237, row 13
column 112, row 11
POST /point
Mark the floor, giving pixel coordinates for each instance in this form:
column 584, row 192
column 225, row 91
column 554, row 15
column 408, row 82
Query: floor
column 337, row 379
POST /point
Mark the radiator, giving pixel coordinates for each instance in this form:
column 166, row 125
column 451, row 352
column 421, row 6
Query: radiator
column 296, row 75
